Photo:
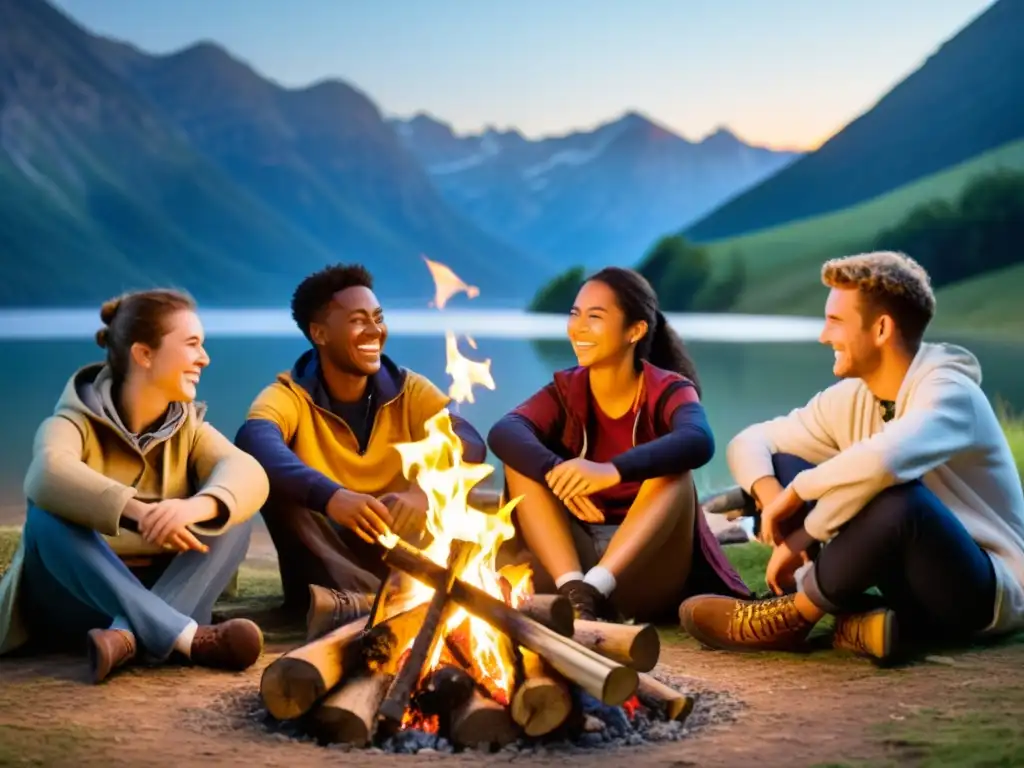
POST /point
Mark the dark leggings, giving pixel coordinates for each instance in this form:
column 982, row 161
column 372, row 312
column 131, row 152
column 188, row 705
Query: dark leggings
column 910, row 546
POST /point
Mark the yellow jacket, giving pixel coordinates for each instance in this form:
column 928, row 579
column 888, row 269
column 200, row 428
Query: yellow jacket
column 309, row 452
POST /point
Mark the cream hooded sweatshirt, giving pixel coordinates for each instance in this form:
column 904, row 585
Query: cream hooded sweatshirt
column 944, row 433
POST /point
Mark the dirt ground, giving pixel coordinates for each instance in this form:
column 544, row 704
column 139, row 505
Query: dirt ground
column 822, row 708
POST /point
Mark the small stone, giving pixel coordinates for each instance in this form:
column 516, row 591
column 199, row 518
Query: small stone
column 591, row 740
column 375, row 751
column 593, row 724
column 427, row 751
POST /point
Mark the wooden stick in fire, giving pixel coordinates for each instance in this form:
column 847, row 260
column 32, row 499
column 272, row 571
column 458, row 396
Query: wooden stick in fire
column 294, row 682
column 609, row 682
column 393, row 707
column 349, row 713
column 655, row 695
column 635, row 645
column 542, row 702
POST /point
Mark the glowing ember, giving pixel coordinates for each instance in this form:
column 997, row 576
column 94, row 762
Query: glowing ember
column 447, row 284
column 435, row 464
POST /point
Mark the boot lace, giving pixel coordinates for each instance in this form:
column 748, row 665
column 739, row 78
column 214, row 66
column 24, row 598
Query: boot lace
column 761, row 620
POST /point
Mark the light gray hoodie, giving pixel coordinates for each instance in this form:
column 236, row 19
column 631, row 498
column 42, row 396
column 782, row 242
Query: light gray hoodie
column 944, row 433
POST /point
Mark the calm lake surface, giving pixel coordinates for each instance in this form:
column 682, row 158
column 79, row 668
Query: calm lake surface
column 751, row 368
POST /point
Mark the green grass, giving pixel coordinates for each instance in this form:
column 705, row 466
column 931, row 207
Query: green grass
column 783, row 263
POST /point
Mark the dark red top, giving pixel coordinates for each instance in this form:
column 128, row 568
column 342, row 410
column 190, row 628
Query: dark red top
column 611, row 438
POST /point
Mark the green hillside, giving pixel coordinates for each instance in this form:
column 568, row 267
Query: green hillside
column 964, row 100
column 782, row 263
column 991, row 302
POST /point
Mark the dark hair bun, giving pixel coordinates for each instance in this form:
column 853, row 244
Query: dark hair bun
column 109, row 309
column 101, row 337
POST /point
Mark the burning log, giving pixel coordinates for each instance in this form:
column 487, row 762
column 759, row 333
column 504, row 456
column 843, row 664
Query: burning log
column 542, row 701
column 383, row 644
column 398, row 695
column 667, row 701
column 553, row 611
column 480, row 721
column 294, row 682
column 602, row 678
column 348, row 716
column 445, row 689
column 635, row 645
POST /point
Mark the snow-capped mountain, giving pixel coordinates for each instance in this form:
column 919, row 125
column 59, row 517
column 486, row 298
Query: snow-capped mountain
column 588, row 197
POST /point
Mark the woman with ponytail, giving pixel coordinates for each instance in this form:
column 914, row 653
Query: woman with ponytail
column 603, row 458
column 138, row 509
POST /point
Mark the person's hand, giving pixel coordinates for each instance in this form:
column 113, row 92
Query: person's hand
column 583, row 508
column 581, row 477
column 781, row 572
column 765, row 490
column 782, row 507
column 361, row 513
column 409, row 512
column 166, row 523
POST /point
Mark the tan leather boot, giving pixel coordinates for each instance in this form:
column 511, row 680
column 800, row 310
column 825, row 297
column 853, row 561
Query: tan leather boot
column 332, row 608
column 109, row 649
column 730, row 624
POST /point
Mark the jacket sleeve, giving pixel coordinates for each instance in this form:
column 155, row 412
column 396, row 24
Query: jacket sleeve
column 59, row 481
column 803, row 432
column 937, row 424
column 229, row 475
column 521, row 438
column 687, row 444
column 273, row 420
column 426, row 400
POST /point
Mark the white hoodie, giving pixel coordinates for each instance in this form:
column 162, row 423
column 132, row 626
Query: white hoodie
column 944, row 433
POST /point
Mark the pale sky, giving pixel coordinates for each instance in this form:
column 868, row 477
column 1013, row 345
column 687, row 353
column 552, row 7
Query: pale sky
column 788, row 73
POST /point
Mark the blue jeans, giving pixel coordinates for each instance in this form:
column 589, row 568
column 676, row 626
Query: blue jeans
column 906, row 543
column 73, row 582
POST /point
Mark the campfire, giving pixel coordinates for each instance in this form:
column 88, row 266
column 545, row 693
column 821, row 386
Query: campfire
column 456, row 648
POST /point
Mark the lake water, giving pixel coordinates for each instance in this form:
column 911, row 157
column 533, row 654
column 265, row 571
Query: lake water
column 751, row 368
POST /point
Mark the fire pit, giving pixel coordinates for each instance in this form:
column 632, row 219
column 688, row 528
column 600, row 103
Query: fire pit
column 458, row 652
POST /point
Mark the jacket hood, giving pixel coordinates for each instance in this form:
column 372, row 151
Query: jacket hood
column 89, row 392
column 949, row 357
column 387, row 383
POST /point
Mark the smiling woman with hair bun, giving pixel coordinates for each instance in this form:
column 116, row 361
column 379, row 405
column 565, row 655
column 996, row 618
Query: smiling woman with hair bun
column 139, row 510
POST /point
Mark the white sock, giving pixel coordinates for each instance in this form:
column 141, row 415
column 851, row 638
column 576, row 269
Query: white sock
column 183, row 644
column 565, row 578
column 601, row 579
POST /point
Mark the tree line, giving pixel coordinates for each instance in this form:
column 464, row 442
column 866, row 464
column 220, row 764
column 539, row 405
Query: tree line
column 979, row 231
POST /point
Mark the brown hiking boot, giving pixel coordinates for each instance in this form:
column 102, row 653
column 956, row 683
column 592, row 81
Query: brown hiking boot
column 725, row 623
column 586, row 599
column 236, row 644
column 109, row 649
column 332, row 608
column 873, row 634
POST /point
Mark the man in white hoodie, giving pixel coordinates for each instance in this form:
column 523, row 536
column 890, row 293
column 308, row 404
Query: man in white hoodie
column 898, row 477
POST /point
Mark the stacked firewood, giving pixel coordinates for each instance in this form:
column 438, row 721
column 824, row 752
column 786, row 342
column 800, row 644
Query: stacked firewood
column 367, row 679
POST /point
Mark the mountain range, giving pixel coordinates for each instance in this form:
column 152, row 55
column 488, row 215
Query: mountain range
column 588, row 197
column 119, row 170
column 968, row 97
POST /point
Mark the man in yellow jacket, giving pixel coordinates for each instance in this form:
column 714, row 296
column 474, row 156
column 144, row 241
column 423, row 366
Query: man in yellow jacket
column 325, row 434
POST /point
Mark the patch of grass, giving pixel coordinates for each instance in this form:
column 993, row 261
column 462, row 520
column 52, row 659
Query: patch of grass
column 46, row 744
column 10, row 535
column 750, row 560
column 1013, row 426
column 988, row 731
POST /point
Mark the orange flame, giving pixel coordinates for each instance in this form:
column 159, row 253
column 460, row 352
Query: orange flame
column 437, row 466
column 465, row 372
column 447, row 284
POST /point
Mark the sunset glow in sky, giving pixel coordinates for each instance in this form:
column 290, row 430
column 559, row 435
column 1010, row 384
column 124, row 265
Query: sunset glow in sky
column 788, row 73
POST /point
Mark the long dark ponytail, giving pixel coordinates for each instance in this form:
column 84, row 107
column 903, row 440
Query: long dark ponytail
column 661, row 346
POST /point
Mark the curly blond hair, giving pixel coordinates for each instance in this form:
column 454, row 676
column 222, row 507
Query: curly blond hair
column 890, row 283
